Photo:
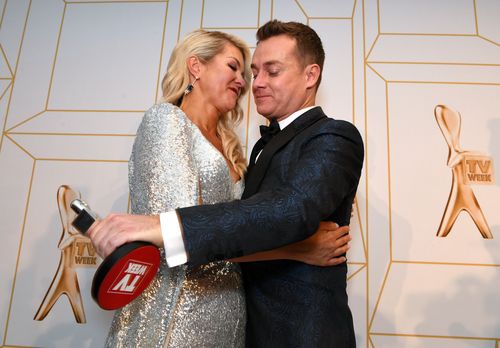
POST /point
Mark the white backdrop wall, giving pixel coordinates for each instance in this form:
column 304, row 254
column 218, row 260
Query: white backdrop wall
column 77, row 76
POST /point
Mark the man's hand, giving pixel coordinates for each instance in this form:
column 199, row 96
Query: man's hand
column 118, row 229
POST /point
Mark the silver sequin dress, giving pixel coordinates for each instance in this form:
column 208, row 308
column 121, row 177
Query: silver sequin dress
column 173, row 165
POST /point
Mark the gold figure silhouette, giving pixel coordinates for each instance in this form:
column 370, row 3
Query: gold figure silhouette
column 464, row 165
column 72, row 246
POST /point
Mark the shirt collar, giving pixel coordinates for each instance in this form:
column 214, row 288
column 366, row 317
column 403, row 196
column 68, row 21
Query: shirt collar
column 285, row 122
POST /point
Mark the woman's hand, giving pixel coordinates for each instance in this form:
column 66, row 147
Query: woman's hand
column 325, row 247
column 118, row 229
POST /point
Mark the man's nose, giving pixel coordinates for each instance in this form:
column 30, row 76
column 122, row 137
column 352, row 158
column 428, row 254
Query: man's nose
column 258, row 81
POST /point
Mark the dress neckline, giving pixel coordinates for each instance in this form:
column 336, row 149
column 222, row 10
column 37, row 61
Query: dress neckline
column 220, row 154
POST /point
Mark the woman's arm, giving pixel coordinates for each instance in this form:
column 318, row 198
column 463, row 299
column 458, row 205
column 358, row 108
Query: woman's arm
column 325, row 247
column 162, row 177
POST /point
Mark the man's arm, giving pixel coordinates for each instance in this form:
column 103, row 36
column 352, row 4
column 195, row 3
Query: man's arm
column 326, row 174
column 324, row 248
column 266, row 221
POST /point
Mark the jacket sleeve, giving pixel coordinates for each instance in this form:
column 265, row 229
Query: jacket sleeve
column 327, row 172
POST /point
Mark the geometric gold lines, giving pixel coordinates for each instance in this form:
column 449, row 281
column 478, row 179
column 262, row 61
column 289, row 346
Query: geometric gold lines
column 488, row 13
column 425, row 177
column 414, row 341
column 426, row 292
column 358, row 252
column 449, row 307
column 288, row 10
column 81, row 122
column 327, row 8
column 435, row 49
column 337, row 79
column 102, row 46
column 12, row 21
column 436, row 17
column 109, row 1
column 77, row 75
column 69, row 147
column 5, row 68
column 450, row 281
column 455, row 73
column 104, row 184
column 213, row 17
column 4, row 84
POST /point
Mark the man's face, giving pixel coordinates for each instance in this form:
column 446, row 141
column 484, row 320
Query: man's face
column 280, row 80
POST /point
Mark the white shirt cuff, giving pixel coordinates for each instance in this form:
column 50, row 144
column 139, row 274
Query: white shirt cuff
column 171, row 231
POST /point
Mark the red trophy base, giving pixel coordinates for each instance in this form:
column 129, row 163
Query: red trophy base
column 124, row 274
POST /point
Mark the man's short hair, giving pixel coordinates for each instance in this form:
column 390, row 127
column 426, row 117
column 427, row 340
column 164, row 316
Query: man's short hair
column 309, row 47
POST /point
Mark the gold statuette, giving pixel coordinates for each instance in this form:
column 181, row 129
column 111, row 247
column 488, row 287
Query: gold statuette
column 467, row 168
column 76, row 251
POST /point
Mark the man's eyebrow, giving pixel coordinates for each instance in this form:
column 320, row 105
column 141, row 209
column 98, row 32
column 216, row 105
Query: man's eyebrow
column 267, row 64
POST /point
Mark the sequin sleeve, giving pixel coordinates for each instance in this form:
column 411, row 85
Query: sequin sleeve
column 162, row 175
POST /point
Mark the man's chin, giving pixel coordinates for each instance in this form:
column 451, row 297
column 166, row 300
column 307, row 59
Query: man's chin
column 266, row 112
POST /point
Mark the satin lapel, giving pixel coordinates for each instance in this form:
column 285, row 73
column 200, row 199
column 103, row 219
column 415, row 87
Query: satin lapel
column 256, row 175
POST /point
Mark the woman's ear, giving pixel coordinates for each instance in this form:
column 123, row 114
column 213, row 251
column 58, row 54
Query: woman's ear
column 312, row 75
column 194, row 66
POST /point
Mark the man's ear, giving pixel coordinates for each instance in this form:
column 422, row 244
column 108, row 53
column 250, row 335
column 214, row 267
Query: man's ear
column 194, row 66
column 312, row 75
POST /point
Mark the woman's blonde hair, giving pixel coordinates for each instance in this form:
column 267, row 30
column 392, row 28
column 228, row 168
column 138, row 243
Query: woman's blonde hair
column 205, row 45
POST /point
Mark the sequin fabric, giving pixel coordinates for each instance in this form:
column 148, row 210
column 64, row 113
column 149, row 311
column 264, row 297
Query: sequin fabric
column 173, row 165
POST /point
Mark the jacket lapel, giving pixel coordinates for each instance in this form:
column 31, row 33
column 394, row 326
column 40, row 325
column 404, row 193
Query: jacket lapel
column 255, row 176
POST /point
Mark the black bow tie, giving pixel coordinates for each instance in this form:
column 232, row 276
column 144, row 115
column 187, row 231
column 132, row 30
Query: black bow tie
column 267, row 133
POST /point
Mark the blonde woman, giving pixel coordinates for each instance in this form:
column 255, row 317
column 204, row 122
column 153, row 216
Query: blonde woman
column 186, row 153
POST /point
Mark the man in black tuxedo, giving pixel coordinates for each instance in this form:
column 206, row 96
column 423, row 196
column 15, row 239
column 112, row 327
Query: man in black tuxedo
column 300, row 175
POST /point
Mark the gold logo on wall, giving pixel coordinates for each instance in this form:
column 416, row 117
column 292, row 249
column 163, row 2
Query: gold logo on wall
column 468, row 168
column 76, row 252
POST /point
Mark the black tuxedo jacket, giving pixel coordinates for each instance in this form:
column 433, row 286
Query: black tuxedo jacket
column 307, row 173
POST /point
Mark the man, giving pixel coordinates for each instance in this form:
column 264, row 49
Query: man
column 306, row 173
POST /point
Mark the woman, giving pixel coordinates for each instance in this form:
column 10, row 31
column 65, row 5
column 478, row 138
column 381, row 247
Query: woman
column 186, row 153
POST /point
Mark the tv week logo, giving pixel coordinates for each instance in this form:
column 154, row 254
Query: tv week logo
column 130, row 277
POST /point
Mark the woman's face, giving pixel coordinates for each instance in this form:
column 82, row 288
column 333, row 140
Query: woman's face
column 221, row 79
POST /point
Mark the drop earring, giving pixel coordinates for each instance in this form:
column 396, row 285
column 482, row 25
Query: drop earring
column 190, row 86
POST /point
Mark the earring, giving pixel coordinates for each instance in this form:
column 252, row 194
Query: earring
column 190, row 86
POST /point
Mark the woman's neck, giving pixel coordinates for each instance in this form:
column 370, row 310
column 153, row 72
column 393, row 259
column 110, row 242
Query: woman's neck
column 206, row 117
column 202, row 115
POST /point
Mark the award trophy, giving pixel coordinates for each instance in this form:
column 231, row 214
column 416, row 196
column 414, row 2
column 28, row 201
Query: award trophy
column 126, row 272
column 467, row 168
column 71, row 244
